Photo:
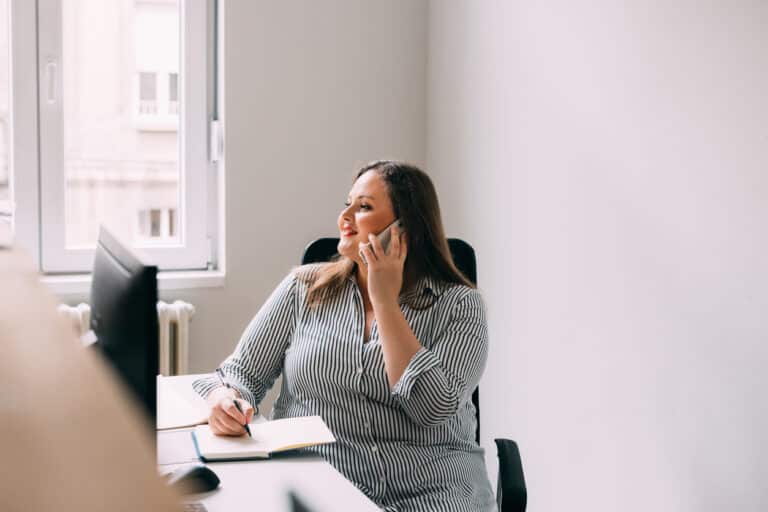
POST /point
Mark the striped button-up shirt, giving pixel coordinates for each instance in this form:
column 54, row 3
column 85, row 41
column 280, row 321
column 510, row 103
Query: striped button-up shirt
column 411, row 447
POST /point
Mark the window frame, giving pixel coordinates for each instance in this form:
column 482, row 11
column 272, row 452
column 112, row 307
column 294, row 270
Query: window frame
column 25, row 199
column 37, row 143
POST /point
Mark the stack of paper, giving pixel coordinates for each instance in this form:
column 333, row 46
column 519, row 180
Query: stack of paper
column 177, row 404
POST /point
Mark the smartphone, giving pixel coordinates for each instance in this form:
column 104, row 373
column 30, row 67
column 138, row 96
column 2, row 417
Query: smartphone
column 385, row 237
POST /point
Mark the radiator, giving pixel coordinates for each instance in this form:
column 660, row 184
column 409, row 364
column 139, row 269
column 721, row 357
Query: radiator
column 173, row 337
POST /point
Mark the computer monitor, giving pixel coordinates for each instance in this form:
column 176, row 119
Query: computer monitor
column 124, row 318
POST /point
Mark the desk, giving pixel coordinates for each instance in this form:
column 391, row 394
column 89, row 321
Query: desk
column 265, row 482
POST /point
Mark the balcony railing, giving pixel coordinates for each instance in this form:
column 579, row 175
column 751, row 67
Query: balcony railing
column 148, row 107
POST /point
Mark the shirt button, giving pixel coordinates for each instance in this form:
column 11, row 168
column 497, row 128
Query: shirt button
column 367, row 424
column 374, row 448
column 359, row 370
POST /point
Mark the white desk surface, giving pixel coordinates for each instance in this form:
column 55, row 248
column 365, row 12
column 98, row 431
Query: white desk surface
column 264, row 483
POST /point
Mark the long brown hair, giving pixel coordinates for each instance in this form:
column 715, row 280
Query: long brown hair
column 414, row 201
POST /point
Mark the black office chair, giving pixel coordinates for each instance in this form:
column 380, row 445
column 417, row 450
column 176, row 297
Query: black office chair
column 511, row 493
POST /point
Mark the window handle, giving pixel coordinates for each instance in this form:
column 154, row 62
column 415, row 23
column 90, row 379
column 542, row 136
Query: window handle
column 50, row 81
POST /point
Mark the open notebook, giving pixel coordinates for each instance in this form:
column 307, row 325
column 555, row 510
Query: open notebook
column 268, row 437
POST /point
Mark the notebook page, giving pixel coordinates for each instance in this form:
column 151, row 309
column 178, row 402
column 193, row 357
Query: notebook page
column 225, row 447
column 290, row 433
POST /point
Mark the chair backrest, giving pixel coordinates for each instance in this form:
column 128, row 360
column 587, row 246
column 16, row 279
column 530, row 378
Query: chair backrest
column 323, row 249
column 511, row 492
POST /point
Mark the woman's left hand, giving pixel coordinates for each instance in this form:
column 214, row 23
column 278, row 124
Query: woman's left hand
column 385, row 268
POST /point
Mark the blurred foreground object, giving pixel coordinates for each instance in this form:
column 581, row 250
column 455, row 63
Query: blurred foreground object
column 71, row 439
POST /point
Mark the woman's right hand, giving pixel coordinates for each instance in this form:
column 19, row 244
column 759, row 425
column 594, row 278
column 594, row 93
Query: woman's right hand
column 224, row 418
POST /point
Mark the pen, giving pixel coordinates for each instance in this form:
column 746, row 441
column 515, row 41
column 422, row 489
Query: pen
column 224, row 382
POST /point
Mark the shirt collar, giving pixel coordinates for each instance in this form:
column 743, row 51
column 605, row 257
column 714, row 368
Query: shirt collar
column 428, row 285
column 424, row 285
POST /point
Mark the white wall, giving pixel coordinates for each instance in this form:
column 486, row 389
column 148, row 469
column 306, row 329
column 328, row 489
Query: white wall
column 608, row 161
column 313, row 89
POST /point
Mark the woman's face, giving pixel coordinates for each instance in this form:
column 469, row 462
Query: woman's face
column 368, row 209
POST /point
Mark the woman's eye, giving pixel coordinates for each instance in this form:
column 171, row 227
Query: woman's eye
column 363, row 206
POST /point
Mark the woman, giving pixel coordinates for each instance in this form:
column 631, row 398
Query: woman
column 386, row 348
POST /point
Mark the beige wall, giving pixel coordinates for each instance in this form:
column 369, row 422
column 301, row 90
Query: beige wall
column 608, row 161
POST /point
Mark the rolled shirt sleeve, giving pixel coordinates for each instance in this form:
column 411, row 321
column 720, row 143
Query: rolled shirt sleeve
column 438, row 380
column 258, row 358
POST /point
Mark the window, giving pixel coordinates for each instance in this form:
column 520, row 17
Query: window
column 173, row 94
column 147, row 93
column 157, row 223
column 171, row 222
column 124, row 109
column 156, row 52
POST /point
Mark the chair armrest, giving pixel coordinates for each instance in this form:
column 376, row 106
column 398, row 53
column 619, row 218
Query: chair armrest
column 511, row 494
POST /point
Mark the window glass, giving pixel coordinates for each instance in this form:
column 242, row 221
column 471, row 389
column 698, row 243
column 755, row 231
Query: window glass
column 121, row 156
